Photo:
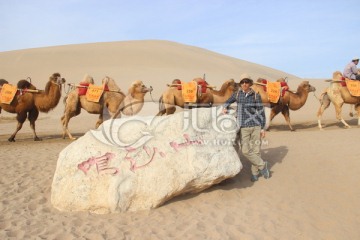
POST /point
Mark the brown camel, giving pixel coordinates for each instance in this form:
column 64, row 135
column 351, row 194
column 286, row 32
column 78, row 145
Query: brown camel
column 290, row 101
column 2, row 82
column 28, row 105
column 225, row 92
column 172, row 97
column 113, row 101
column 338, row 95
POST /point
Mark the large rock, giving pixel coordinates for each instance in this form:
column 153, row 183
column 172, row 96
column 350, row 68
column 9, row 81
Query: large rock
column 137, row 163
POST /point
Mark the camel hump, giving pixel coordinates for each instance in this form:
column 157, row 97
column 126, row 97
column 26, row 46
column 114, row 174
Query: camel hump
column 24, row 84
column 337, row 75
column 112, row 86
column 201, row 82
column 281, row 80
column 177, row 84
column 3, row 81
column 87, row 79
column 262, row 80
column 176, row 81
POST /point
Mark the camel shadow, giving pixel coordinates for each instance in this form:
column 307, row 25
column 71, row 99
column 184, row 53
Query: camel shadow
column 351, row 122
column 28, row 137
column 311, row 125
column 297, row 126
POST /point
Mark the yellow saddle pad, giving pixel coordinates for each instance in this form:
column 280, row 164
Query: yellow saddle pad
column 189, row 91
column 7, row 93
column 273, row 91
column 354, row 87
column 93, row 94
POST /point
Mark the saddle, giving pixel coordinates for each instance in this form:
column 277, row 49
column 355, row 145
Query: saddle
column 9, row 91
column 352, row 85
column 277, row 89
column 201, row 85
column 82, row 90
column 191, row 91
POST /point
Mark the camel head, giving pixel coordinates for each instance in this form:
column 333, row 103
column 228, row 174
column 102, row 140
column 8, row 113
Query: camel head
column 56, row 78
column 230, row 84
column 139, row 87
column 306, row 85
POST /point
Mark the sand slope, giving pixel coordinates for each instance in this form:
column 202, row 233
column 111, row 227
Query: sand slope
column 312, row 193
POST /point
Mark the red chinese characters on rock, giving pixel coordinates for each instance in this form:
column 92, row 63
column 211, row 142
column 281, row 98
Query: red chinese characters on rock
column 188, row 142
column 102, row 163
column 149, row 152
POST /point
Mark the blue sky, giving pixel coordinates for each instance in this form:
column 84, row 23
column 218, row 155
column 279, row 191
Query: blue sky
column 305, row 38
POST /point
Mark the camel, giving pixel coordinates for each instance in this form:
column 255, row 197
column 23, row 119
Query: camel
column 114, row 101
column 2, row 82
column 28, row 105
column 134, row 100
column 351, row 113
column 225, row 92
column 172, row 97
column 290, row 101
column 337, row 95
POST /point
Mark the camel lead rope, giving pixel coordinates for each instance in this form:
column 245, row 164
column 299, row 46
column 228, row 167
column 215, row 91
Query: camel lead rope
column 152, row 99
column 317, row 97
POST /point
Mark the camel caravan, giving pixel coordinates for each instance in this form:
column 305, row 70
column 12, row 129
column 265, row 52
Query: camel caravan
column 26, row 101
column 340, row 91
column 275, row 95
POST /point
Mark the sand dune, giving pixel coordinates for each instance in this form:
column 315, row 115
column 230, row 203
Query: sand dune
column 312, row 193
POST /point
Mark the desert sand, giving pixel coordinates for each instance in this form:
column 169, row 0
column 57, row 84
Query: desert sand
column 313, row 192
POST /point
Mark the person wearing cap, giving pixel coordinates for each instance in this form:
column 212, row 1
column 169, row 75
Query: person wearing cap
column 351, row 71
column 251, row 123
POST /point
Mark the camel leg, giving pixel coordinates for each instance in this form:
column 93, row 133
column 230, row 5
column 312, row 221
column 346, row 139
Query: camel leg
column 72, row 109
column 325, row 103
column 338, row 115
column 270, row 113
column 65, row 123
column 268, row 119
column 32, row 116
column 100, row 120
column 21, row 117
column 286, row 113
column 170, row 105
column 357, row 108
column 162, row 109
column 170, row 110
column 161, row 112
column 351, row 114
